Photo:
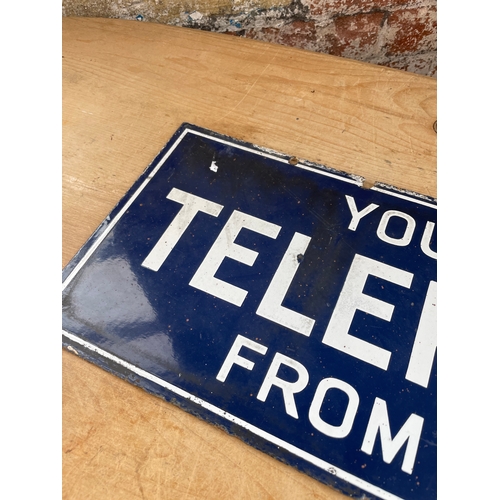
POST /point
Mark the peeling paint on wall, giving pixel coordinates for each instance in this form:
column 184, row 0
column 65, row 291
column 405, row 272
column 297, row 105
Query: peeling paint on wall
column 400, row 34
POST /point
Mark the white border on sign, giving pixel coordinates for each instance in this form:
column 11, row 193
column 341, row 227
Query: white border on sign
column 332, row 469
column 344, row 475
column 112, row 224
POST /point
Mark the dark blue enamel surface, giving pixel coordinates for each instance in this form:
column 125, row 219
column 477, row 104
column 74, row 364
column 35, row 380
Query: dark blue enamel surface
column 158, row 322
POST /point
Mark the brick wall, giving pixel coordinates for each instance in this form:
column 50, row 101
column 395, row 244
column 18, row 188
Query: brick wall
column 396, row 33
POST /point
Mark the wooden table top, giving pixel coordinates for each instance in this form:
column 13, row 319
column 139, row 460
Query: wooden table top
column 127, row 86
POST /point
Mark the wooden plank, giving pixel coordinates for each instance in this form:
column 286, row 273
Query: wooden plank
column 127, row 86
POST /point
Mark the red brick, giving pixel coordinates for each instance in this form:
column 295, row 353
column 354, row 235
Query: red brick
column 300, row 34
column 355, row 36
column 264, row 34
column 349, row 7
column 421, row 64
column 415, row 30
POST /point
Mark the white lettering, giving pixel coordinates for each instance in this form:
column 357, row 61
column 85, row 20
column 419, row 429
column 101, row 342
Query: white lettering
column 270, row 307
column 411, row 431
column 357, row 216
column 410, row 228
column 426, row 240
column 225, row 246
column 352, row 298
column 233, row 357
column 192, row 205
column 424, row 347
column 288, row 388
column 345, row 427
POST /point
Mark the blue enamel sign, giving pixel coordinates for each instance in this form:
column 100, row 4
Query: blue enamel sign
column 279, row 300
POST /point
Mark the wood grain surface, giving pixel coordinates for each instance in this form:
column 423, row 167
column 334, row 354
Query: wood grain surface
column 127, row 86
